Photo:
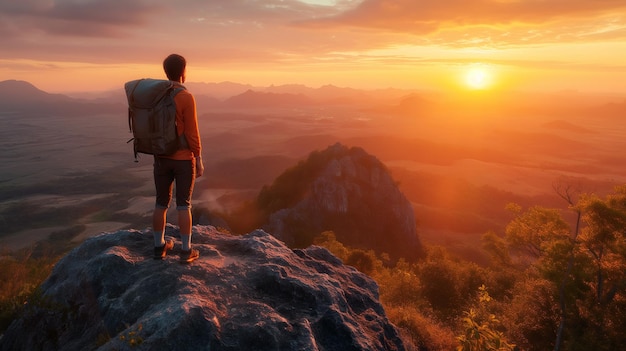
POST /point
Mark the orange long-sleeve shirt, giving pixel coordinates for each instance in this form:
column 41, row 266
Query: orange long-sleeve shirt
column 187, row 123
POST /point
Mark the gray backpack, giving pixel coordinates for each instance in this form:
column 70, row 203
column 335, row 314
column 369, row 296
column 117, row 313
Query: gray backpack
column 152, row 116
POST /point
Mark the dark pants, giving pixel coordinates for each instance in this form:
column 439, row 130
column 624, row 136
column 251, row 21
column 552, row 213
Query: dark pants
column 166, row 171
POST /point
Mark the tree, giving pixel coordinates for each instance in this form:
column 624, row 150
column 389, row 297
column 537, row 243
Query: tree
column 586, row 266
column 543, row 241
column 602, row 242
column 568, row 193
column 536, row 231
column 497, row 249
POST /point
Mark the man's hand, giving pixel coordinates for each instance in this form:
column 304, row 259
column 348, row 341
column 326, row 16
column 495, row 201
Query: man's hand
column 199, row 167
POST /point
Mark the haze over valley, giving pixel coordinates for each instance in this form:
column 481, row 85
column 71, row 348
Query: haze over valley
column 459, row 159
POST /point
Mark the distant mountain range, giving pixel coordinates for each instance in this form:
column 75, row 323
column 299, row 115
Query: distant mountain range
column 234, row 95
column 264, row 99
column 16, row 95
column 327, row 93
column 21, row 96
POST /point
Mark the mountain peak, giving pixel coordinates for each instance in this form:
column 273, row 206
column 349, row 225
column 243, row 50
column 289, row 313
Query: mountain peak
column 345, row 190
column 22, row 94
column 19, row 88
column 19, row 95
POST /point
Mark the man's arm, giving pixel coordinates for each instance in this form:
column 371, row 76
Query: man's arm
column 192, row 133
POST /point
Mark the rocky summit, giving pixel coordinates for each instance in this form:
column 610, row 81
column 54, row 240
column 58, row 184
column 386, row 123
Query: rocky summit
column 347, row 191
column 248, row 292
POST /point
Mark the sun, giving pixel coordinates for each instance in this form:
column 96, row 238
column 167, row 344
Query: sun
column 478, row 77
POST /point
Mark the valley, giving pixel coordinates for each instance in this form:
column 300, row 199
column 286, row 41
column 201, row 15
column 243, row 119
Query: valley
column 459, row 163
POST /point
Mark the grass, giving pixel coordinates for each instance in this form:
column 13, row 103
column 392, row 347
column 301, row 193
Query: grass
column 23, row 271
column 20, row 277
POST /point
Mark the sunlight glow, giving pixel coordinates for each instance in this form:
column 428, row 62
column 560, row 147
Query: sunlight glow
column 478, row 77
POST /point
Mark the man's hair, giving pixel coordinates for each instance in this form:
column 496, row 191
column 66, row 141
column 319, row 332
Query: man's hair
column 174, row 66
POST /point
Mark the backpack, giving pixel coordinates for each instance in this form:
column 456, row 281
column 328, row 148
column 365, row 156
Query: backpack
column 152, row 116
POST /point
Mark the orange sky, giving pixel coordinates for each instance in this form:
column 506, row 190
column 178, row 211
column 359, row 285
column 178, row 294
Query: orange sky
column 74, row 45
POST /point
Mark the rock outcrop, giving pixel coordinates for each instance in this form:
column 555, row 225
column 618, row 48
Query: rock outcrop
column 345, row 190
column 247, row 292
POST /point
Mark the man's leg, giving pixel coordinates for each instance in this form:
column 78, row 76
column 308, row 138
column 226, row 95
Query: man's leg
column 158, row 226
column 161, row 246
column 185, row 179
column 184, row 223
column 163, row 182
column 187, row 254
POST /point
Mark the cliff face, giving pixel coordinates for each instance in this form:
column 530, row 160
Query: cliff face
column 350, row 192
column 246, row 292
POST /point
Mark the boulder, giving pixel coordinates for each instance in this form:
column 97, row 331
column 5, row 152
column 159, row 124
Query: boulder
column 248, row 292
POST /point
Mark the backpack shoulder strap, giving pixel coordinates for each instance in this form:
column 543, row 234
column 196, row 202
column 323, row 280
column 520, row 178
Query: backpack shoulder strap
column 177, row 88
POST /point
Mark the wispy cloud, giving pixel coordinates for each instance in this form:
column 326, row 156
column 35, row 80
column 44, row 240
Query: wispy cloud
column 140, row 28
column 303, row 26
column 411, row 15
column 486, row 22
column 95, row 18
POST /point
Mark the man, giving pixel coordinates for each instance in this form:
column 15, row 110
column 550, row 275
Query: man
column 183, row 166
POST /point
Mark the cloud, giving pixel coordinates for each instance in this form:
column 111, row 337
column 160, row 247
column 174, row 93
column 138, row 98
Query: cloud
column 108, row 12
column 498, row 22
column 257, row 32
column 414, row 14
column 94, row 18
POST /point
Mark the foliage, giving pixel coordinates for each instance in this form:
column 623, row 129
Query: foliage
column 581, row 272
column 480, row 332
column 497, row 248
column 597, row 315
column 420, row 331
column 532, row 314
column 534, row 232
column 19, row 279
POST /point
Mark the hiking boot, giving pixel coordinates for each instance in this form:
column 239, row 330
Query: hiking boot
column 160, row 252
column 189, row 256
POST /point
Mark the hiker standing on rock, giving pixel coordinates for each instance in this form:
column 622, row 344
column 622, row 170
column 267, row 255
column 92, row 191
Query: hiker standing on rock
column 183, row 166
